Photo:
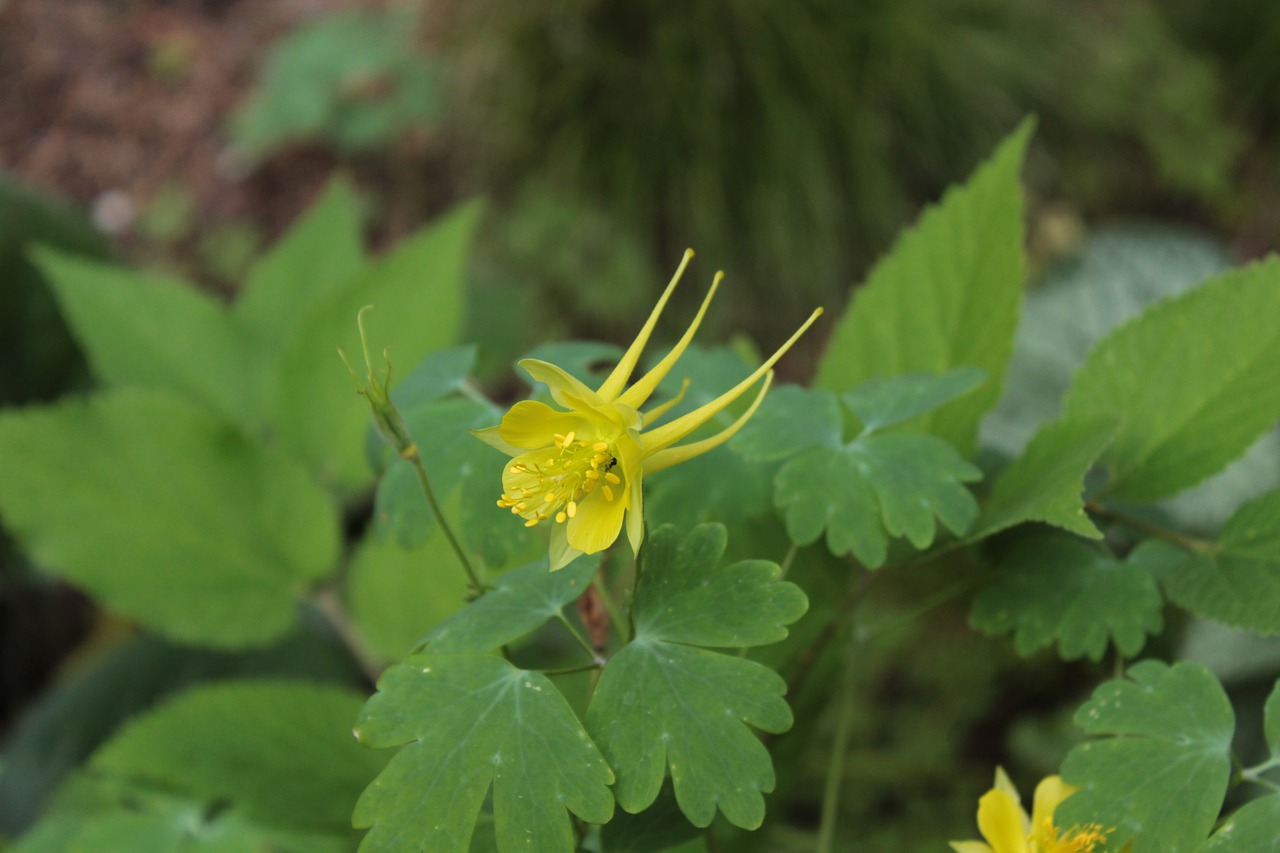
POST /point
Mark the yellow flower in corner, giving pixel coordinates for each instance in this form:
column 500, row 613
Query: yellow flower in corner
column 1007, row 828
column 581, row 467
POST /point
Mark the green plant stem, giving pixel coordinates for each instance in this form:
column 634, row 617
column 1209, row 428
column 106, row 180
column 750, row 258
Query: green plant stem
column 1254, row 774
column 328, row 603
column 571, row 670
column 582, row 641
column 415, row 459
column 787, row 560
column 616, row 619
column 835, row 768
column 1190, row 543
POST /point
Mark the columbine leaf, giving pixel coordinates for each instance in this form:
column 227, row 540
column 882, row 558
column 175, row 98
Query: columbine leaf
column 1162, row 777
column 1046, row 483
column 874, row 488
column 964, row 260
column 1196, row 379
column 280, row 752
column 472, row 720
column 663, row 700
column 520, row 602
column 166, row 515
column 153, row 333
column 1056, row 587
column 416, row 292
column 1255, row 828
column 436, row 376
column 1238, row 580
column 885, row 401
column 791, row 420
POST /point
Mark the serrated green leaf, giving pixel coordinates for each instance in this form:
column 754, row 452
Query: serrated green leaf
column 1196, row 379
column 416, row 292
column 884, row 401
column 1238, row 581
column 281, row 752
column 1047, row 482
column 318, row 255
column 166, row 515
column 472, row 720
column 520, row 602
column 791, row 420
column 1055, row 587
column 146, row 332
column 663, row 701
column 1255, row 828
column 945, row 296
column 1162, row 777
column 396, row 594
column 876, row 487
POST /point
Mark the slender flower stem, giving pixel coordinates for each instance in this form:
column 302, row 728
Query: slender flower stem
column 415, row 459
column 616, row 619
column 835, row 769
column 328, row 603
column 1190, row 543
column 786, row 561
column 582, row 641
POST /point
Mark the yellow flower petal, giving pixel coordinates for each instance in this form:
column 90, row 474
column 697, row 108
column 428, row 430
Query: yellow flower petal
column 566, row 389
column 617, row 380
column 531, row 425
column 640, row 391
column 598, row 521
column 562, row 554
column 970, row 847
column 685, row 452
column 1002, row 822
column 631, row 461
column 658, row 411
column 665, row 436
column 1049, row 794
column 492, row 436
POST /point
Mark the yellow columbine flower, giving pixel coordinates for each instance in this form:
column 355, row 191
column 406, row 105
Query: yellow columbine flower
column 1007, row 829
column 582, row 467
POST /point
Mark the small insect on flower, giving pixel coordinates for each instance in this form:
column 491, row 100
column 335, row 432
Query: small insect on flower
column 581, row 467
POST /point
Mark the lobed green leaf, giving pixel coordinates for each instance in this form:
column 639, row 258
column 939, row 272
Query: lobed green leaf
column 884, row 401
column 1254, row 828
column 467, row 722
column 1160, row 775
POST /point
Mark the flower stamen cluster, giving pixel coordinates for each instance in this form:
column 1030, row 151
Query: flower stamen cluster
column 541, row 491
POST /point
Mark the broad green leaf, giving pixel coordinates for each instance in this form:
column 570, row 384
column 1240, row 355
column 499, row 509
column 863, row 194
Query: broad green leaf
column 1196, row 379
column 791, row 420
column 1047, row 482
column 1160, row 772
column 520, row 602
column 166, row 515
column 945, row 296
column 876, row 487
column 1056, row 587
column 470, row 721
column 1255, row 828
column 884, row 401
column 1237, row 581
column 395, row 594
column 719, row 486
column 439, row 374
column 416, row 292
column 318, row 255
column 147, row 332
column 664, row 700
column 1271, row 720
column 281, row 752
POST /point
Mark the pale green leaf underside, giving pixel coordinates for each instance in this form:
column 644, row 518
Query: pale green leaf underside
column 521, row 601
column 467, row 722
column 662, row 702
column 877, row 487
column 280, row 752
column 166, row 515
column 1238, row 581
column 1196, row 380
column 1162, row 778
column 1255, row 828
column 1047, row 482
column 1056, row 587
column 945, row 296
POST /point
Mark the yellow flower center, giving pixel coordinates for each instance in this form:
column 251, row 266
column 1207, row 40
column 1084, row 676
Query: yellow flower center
column 1076, row 840
column 549, row 483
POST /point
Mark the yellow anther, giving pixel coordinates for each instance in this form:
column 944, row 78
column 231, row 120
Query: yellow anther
column 612, row 477
column 568, row 440
column 599, row 446
column 572, row 509
column 560, row 517
column 608, row 493
column 593, row 474
column 531, row 522
column 549, row 497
